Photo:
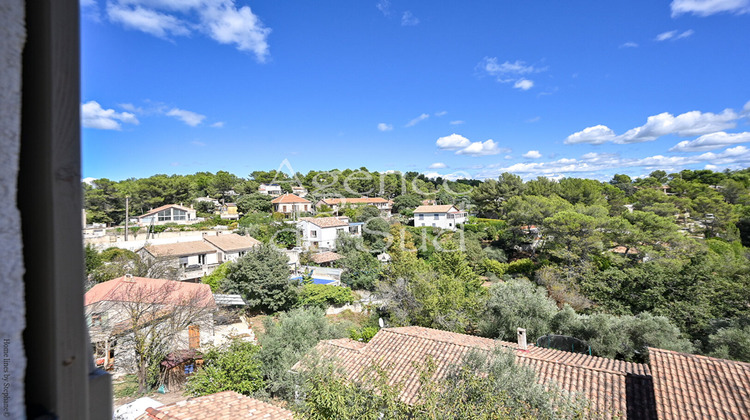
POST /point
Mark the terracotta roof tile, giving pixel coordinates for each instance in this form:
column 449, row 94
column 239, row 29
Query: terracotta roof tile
column 434, row 209
column 325, row 222
column 124, row 289
column 180, row 249
column 613, row 387
column 359, row 200
column 164, row 207
column 289, row 198
column 232, row 242
column 227, row 405
column 688, row 386
column 324, row 257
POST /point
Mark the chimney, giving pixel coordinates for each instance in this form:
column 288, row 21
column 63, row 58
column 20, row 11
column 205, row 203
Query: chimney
column 128, row 278
column 522, row 339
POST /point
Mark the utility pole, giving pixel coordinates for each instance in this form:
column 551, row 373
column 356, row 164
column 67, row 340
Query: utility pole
column 127, row 204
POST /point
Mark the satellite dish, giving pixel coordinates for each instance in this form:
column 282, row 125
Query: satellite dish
column 381, row 323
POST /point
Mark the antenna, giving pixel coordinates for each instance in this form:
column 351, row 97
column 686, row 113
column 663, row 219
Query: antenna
column 381, row 322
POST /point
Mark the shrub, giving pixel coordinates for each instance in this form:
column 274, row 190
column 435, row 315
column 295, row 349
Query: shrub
column 323, row 295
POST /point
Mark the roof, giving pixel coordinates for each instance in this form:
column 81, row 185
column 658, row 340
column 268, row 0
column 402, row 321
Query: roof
column 232, row 242
column 164, row 207
column 688, row 386
column 147, row 290
column 227, row 405
column 324, row 257
column 359, row 200
column 325, row 222
column 435, row 209
column 611, row 386
column 180, row 249
column 228, row 299
column 289, row 198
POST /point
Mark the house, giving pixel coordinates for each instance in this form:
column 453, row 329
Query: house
column 291, row 204
column 226, row 405
column 672, row 386
column 170, row 213
column 230, row 246
column 336, row 204
column 299, row 191
column 117, row 310
column 229, row 211
column 193, row 259
column 325, row 258
column 444, row 217
column 270, row 189
column 321, row 232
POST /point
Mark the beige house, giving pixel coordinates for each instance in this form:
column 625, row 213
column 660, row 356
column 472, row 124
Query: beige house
column 291, row 204
column 193, row 259
column 231, row 246
column 170, row 213
column 337, row 204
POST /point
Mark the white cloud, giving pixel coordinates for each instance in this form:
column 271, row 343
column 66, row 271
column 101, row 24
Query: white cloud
column 534, row 119
column 709, row 7
column 218, row 124
column 221, row 20
column 711, row 141
column 451, row 177
column 197, row 143
column 89, row 180
column 385, row 127
column 94, row 116
column 438, row 165
column 597, row 134
column 711, row 167
column 532, row 154
column 509, row 72
column 629, row 44
column 452, row 142
column 440, row 113
column 188, row 117
column 417, row 120
column 384, row 6
column 459, row 122
column 479, row 148
column 523, row 84
column 408, row 19
column 673, row 35
column 693, row 123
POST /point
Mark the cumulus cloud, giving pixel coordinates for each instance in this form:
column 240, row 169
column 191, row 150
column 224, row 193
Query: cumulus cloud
column 94, row 116
column 417, row 120
column 221, row 20
column 509, row 72
column 385, row 127
column 711, row 141
column 709, row 7
column 384, row 6
column 673, row 35
column 532, row 154
column 453, row 142
column 451, row 177
column 408, row 19
column 523, row 84
column 479, row 148
column 438, row 165
column 188, row 117
column 693, row 123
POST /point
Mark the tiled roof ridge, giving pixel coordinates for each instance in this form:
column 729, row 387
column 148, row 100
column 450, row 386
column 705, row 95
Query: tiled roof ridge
column 402, row 332
column 701, row 357
column 338, row 342
column 530, row 356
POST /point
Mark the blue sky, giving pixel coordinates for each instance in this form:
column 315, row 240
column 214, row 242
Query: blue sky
column 551, row 88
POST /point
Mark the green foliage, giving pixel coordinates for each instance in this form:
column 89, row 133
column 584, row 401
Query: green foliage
column 731, row 343
column 406, row 202
column 287, row 340
column 92, row 258
column 216, row 277
column 517, row 303
column 323, row 295
column 235, row 367
column 364, row 334
column 361, row 270
column 254, row 203
column 262, row 278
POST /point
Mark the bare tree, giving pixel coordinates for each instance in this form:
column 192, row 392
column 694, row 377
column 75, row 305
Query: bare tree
column 150, row 318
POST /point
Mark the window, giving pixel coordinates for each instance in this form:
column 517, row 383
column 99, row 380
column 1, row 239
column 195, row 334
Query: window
column 164, row 215
column 421, row 216
column 433, row 225
column 283, row 209
column 202, row 259
column 194, row 334
column 242, row 253
column 313, row 233
column 305, row 207
column 179, row 214
column 437, row 217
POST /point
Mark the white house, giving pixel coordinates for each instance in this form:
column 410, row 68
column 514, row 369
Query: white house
column 444, row 217
column 178, row 314
column 230, row 246
column 170, row 213
column 321, row 232
column 299, row 191
column 291, row 204
column 270, row 189
column 194, row 259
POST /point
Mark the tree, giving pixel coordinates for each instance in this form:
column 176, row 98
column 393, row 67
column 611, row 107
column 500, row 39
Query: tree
column 117, row 262
column 361, row 270
column 406, row 202
column 234, row 367
column 517, row 303
column 217, row 276
column 262, row 278
column 287, row 340
column 574, row 236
